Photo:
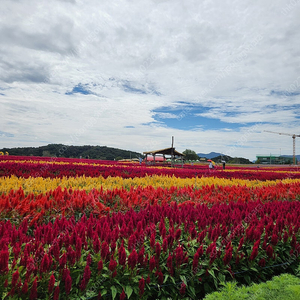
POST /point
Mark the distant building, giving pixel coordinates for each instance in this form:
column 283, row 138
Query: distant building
column 274, row 160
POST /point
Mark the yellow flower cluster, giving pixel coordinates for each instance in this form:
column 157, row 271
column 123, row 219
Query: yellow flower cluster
column 41, row 185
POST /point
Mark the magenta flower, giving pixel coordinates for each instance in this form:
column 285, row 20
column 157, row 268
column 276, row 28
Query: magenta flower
column 142, row 286
column 157, row 249
column 122, row 256
column 68, row 282
column 132, row 259
column 123, row 295
column 112, row 265
column 100, row 265
column 51, row 283
column 15, row 277
column 86, row 277
column 33, row 291
column 56, row 293
column 182, row 289
column 152, row 263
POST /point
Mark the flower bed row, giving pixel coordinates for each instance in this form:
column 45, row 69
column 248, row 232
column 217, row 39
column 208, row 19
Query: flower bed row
column 159, row 251
column 72, row 201
column 59, row 169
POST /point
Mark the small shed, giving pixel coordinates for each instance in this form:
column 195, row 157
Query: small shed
column 163, row 153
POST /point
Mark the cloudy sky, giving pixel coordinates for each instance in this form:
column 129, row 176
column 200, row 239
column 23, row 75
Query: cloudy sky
column 131, row 74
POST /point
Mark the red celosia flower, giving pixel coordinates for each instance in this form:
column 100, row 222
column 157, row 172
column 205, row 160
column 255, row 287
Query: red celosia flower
column 227, row 256
column 285, row 237
column 100, row 265
column 148, row 279
column 240, row 244
column 68, row 282
column 131, row 242
column 15, row 277
column 152, row 263
column 262, row 262
column 270, row 251
column 104, row 250
column 141, row 255
column 4, row 256
column 86, row 277
column 55, row 251
column 152, row 240
column 33, row 291
column 182, row 289
column 25, row 288
column 195, row 262
column 132, row 259
column 89, row 259
column 63, row 261
column 113, row 246
column 51, row 283
column 165, row 245
column 56, row 293
column 160, row 277
column 112, row 265
column 142, row 286
column 254, row 252
column 99, row 296
column 200, row 251
column 177, row 234
column 157, row 249
column 123, row 295
column 96, row 244
column 45, row 264
column 122, row 256
column 179, row 256
column 274, row 239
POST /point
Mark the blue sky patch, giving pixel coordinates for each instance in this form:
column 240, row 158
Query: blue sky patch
column 284, row 93
column 187, row 118
column 129, row 126
column 80, row 89
column 6, row 134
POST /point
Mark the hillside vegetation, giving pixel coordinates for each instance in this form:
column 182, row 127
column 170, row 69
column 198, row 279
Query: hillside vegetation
column 60, row 150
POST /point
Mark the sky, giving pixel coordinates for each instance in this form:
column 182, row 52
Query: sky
column 132, row 74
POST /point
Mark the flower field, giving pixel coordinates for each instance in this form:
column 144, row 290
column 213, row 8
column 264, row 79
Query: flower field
column 85, row 229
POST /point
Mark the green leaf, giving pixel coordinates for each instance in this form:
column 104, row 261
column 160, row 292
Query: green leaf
column 192, row 289
column 247, row 278
column 222, row 277
column 78, row 279
column 183, row 279
column 113, row 292
column 128, row 291
column 212, row 273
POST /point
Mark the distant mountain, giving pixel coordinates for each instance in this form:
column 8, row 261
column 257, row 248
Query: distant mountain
column 209, row 155
column 60, row 150
column 218, row 157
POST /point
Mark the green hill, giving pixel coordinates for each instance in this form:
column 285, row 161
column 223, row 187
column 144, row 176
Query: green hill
column 60, row 150
column 231, row 160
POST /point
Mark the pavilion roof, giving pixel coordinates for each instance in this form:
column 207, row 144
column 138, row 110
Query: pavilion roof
column 166, row 151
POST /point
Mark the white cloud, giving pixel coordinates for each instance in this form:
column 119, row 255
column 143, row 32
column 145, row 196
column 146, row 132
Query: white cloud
column 239, row 60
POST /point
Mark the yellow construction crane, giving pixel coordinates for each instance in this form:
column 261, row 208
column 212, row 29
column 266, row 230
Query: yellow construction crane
column 294, row 142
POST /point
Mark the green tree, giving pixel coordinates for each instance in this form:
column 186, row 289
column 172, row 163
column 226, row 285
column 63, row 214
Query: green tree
column 190, row 155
